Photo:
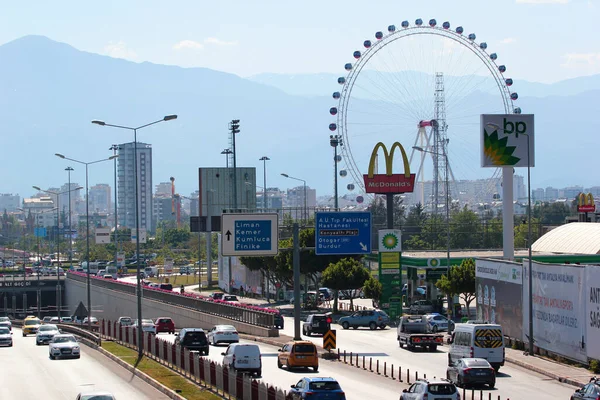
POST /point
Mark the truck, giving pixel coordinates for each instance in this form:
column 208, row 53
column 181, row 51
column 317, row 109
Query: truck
column 413, row 331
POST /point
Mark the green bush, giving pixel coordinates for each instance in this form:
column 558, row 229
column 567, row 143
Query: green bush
column 594, row 366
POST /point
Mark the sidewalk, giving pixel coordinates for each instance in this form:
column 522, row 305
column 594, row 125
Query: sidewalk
column 568, row 374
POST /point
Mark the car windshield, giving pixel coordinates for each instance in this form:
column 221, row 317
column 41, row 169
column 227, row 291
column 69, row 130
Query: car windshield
column 304, row 348
column 64, row 339
column 97, row 397
column 477, row 363
column 325, row 385
column 4, row 331
column 225, row 328
column 164, row 321
column 147, row 322
column 4, row 319
column 45, row 328
column 230, row 298
column 32, row 322
column 442, row 388
column 195, row 337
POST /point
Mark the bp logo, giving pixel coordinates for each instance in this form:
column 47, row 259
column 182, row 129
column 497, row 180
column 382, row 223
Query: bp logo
column 390, row 240
column 433, row 262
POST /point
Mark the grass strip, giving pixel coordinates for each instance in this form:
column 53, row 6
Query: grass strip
column 162, row 374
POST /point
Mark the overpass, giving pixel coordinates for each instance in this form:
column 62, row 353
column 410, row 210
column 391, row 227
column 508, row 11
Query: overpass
column 112, row 299
column 23, row 294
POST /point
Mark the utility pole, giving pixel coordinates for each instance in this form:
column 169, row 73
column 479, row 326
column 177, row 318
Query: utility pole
column 234, row 127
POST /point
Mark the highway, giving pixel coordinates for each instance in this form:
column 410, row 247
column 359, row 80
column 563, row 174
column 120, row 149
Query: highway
column 28, row 373
column 351, row 379
column 512, row 381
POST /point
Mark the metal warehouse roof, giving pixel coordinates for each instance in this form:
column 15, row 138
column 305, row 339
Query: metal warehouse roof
column 573, row 238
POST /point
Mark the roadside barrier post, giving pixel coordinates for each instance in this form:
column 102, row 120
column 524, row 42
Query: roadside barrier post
column 408, row 377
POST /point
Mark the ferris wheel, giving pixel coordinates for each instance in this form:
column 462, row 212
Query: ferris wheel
column 425, row 86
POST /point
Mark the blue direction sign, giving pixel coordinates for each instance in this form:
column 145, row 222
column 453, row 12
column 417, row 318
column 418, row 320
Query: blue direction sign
column 342, row 233
column 249, row 234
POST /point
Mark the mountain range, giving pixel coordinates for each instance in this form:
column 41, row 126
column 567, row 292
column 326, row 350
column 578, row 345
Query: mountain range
column 50, row 91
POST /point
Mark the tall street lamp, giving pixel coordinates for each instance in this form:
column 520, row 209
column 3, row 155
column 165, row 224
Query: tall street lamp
column 87, row 229
column 264, row 159
column 69, row 170
column 58, row 269
column 304, row 182
column 335, row 141
column 137, row 218
column 37, row 234
column 530, row 273
column 114, row 148
column 445, row 155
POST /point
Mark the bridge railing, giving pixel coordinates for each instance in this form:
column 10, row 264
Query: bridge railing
column 243, row 313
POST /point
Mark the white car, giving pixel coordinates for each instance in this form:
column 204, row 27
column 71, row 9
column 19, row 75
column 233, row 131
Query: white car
column 95, row 396
column 5, row 322
column 66, row 319
column 438, row 323
column 45, row 334
column 64, row 345
column 231, row 299
column 242, row 357
column 93, row 320
column 147, row 325
column 5, row 337
column 431, row 389
column 223, row 334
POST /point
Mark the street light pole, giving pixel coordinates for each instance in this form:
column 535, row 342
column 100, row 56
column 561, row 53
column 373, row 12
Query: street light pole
column 140, row 334
column 264, row 159
column 114, row 148
column 87, row 228
column 69, row 169
column 58, row 268
column 335, row 141
column 305, row 216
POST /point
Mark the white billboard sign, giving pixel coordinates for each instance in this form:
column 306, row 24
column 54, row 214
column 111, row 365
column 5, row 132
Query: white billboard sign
column 592, row 320
column 504, row 140
column 142, row 235
column 499, row 270
column 558, row 309
column 102, row 235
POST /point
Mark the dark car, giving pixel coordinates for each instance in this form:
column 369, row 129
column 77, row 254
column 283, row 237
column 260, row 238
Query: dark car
column 193, row 339
column 317, row 388
column 217, row 295
column 591, row 391
column 317, row 323
column 165, row 286
column 472, row 371
column 278, row 321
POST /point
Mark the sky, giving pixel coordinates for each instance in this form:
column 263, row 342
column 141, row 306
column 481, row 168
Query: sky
column 540, row 40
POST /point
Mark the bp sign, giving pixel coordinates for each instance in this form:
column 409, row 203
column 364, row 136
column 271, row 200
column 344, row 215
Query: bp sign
column 390, row 240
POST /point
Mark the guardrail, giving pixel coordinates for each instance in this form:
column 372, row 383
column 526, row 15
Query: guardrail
column 246, row 314
column 94, row 339
column 192, row 366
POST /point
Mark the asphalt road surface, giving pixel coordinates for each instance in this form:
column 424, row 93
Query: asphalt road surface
column 28, row 373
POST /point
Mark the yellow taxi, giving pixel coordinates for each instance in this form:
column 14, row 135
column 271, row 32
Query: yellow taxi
column 300, row 354
column 30, row 325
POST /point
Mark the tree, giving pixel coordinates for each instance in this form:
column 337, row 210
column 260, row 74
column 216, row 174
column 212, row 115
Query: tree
column 373, row 289
column 461, row 282
column 347, row 273
column 465, row 230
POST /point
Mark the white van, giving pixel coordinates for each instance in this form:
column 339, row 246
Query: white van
column 243, row 357
column 111, row 270
column 479, row 340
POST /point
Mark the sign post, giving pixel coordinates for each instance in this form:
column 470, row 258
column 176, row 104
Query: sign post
column 249, row 234
column 342, row 233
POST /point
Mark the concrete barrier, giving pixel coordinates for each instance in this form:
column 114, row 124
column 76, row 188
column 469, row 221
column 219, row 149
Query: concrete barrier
column 111, row 304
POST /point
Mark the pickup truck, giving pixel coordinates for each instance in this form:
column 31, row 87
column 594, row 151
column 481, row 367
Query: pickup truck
column 413, row 332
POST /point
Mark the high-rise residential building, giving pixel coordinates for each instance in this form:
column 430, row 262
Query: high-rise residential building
column 163, row 210
column 537, row 195
column 194, row 203
column 296, row 201
column 100, row 198
column 9, row 202
column 571, row 192
column 126, row 185
column 163, row 188
column 551, row 194
column 42, row 209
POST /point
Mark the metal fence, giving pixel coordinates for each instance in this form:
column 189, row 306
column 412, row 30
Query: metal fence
column 191, row 365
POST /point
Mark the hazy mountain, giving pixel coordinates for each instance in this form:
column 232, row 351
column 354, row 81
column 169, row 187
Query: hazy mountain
column 324, row 84
column 49, row 93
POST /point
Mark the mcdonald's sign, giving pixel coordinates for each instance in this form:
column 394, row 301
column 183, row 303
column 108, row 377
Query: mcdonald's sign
column 585, row 203
column 389, row 183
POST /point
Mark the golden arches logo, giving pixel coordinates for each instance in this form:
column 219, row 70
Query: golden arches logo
column 389, row 159
column 389, row 183
column 586, row 203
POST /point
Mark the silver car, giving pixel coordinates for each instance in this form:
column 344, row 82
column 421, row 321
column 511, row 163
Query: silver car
column 5, row 337
column 64, row 346
column 45, row 334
